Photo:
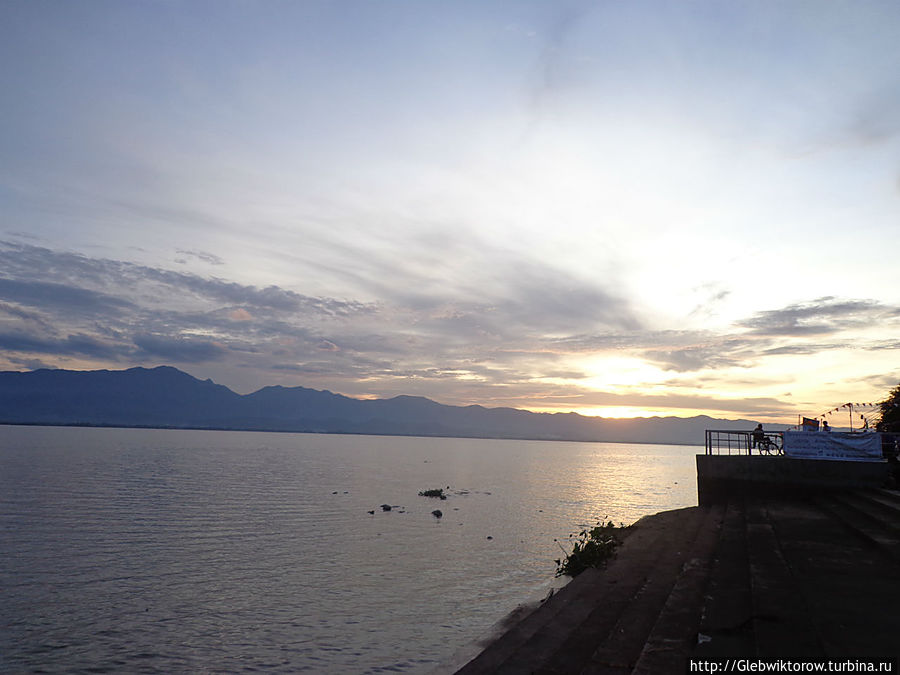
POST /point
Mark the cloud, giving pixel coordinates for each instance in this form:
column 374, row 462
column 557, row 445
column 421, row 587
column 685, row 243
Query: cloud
column 885, row 383
column 552, row 301
column 179, row 349
column 202, row 256
column 804, row 349
column 518, row 301
column 152, row 313
column 327, row 346
column 715, row 296
column 885, row 344
column 270, row 297
column 552, row 67
column 514, row 331
column 83, row 345
column 868, row 126
column 823, row 316
column 722, row 353
column 240, row 314
column 766, row 406
column 18, row 312
column 879, row 121
column 308, row 369
column 96, row 282
column 29, row 363
column 785, row 331
column 767, row 333
column 677, row 350
column 60, row 297
column 874, row 121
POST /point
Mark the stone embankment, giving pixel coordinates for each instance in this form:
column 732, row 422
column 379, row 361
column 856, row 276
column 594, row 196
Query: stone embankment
column 816, row 577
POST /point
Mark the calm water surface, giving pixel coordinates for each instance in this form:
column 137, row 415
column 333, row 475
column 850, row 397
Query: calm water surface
column 204, row 551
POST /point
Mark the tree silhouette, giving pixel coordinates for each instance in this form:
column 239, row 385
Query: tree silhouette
column 890, row 412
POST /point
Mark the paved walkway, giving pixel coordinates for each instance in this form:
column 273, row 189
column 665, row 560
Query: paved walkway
column 817, row 578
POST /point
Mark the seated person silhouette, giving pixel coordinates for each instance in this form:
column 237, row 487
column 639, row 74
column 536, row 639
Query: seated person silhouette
column 758, row 436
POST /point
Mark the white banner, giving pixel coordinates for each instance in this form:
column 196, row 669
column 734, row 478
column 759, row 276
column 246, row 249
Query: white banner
column 863, row 447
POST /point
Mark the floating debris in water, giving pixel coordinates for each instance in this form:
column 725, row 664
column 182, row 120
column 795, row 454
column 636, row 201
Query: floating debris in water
column 435, row 492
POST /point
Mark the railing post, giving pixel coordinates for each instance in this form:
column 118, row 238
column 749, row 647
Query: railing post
column 734, row 442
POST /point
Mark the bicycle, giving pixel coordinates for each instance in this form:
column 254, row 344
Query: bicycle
column 768, row 446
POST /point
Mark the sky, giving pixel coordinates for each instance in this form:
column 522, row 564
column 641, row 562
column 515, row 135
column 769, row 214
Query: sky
column 617, row 209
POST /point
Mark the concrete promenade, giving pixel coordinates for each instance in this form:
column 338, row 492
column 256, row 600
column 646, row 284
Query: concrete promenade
column 815, row 577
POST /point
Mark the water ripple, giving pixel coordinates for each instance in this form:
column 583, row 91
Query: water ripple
column 169, row 551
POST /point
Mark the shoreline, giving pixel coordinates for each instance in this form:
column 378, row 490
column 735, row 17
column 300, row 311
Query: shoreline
column 807, row 578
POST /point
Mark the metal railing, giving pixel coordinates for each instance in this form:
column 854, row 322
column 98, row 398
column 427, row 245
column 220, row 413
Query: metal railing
column 721, row 442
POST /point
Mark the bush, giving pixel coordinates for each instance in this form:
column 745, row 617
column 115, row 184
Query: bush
column 592, row 548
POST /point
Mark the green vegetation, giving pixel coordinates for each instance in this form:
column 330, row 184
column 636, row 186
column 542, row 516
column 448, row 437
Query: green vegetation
column 592, row 548
column 438, row 492
column 890, row 412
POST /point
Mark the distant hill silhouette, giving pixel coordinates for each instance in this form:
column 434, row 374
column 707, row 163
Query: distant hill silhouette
column 169, row 398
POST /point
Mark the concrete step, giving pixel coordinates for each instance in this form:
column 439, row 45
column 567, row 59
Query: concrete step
column 671, row 642
column 576, row 592
column 851, row 595
column 566, row 645
column 785, row 578
column 862, row 525
column 584, row 611
column 726, row 625
column 726, row 622
column 879, row 514
column 890, row 498
column 781, row 618
column 620, row 647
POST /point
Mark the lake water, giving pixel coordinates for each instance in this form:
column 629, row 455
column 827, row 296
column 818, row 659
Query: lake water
column 164, row 551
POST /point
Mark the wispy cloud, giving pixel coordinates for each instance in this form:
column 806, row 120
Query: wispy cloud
column 878, row 120
column 202, row 256
column 178, row 349
column 723, row 352
column 81, row 345
column 93, row 283
column 61, row 297
column 154, row 313
column 551, row 70
column 823, row 316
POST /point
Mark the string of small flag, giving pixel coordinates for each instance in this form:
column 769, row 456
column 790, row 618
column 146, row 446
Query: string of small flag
column 872, row 407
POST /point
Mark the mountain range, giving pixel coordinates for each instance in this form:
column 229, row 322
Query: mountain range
column 166, row 397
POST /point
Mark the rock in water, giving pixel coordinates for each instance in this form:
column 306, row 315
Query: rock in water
column 437, row 513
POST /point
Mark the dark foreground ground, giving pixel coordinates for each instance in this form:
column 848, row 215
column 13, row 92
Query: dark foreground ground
column 802, row 579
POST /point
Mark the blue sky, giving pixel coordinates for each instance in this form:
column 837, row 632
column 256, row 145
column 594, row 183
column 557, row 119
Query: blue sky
column 612, row 208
